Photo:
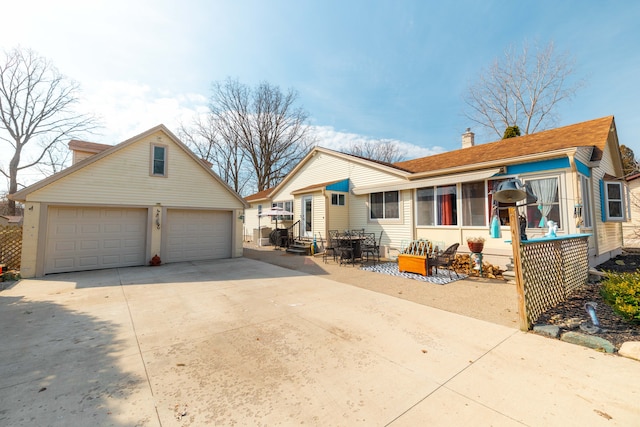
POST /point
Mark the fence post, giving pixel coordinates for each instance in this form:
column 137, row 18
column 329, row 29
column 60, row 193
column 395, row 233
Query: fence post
column 514, row 222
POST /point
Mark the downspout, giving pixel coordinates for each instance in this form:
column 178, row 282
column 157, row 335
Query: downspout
column 576, row 194
column 326, row 215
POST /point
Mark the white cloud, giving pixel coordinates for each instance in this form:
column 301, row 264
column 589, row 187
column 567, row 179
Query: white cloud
column 129, row 108
column 328, row 137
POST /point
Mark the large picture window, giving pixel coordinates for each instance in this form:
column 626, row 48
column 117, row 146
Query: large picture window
column 384, row 205
column 425, row 206
column 437, row 205
column 473, row 204
column 547, row 207
column 447, row 205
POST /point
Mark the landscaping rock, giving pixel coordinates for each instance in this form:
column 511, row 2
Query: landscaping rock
column 588, row 341
column 630, row 349
column 549, row 330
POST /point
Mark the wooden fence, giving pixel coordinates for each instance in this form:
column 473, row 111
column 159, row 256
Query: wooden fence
column 10, row 246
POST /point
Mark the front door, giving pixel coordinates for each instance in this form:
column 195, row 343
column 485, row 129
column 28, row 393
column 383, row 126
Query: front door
column 307, row 218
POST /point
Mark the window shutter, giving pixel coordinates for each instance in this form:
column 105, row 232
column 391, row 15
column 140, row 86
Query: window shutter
column 603, row 204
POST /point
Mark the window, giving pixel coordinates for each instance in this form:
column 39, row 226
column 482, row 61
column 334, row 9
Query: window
column 287, row 206
column 447, row 205
column 547, row 207
column 614, row 201
column 159, row 160
column 259, row 209
column 425, row 206
column 500, row 209
column 384, row 205
column 437, row 205
column 473, row 204
column 337, row 199
column 583, row 213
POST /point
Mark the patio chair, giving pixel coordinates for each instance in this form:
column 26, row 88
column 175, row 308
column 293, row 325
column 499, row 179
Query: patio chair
column 445, row 259
column 370, row 246
column 332, row 245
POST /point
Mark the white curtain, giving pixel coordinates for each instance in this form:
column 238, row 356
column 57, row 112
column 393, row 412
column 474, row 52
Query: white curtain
column 545, row 190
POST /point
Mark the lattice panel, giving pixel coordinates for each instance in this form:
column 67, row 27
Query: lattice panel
column 542, row 276
column 551, row 270
column 575, row 263
column 10, row 246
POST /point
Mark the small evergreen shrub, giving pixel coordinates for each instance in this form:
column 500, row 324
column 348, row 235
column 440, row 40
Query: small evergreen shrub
column 622, row 292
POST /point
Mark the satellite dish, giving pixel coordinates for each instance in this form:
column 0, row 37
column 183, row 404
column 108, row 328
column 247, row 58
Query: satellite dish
column 510, row 191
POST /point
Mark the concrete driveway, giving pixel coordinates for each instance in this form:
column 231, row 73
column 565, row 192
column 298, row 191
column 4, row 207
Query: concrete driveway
column 242, row 342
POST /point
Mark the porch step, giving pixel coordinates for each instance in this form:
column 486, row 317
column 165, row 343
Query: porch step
column 300, row 248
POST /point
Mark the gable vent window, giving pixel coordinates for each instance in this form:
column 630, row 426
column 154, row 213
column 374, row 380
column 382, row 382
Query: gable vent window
column 159, row 160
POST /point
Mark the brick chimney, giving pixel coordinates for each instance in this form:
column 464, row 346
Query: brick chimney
column 468, row 139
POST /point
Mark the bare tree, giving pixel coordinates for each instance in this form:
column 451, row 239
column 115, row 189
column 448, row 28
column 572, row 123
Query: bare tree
column 212, row 143
column 383, row 150
column 265, row 125
column 523, row 89
column 36, row 106
column 55, row 159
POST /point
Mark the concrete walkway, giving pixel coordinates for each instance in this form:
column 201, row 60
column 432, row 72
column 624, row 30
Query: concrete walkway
column 241, row 342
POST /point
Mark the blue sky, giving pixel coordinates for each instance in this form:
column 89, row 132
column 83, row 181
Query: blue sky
column 363, row 69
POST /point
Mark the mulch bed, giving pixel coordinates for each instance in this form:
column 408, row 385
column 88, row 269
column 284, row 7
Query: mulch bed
column 571, row 313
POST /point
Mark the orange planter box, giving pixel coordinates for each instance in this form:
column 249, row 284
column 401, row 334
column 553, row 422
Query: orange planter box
column 413, row 264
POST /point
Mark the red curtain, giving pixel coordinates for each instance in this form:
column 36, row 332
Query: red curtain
column 446, row 209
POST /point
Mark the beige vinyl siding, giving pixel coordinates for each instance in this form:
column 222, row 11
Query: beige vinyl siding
column 108, row 181
column 338, row 215
column 326, row 168
column 631, row 229
column 80, row 155
column 251, row 220
column 583, row 155
column 609, row 234
column 319, row 214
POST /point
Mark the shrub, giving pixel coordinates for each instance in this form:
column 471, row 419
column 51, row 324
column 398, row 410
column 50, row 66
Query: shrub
column 622, row 292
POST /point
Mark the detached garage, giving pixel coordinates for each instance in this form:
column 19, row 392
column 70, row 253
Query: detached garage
column 118, row 206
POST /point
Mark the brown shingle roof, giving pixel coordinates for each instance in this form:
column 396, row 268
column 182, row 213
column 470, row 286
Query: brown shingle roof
column 591, row 133
column 89, row 147
column 259, row 195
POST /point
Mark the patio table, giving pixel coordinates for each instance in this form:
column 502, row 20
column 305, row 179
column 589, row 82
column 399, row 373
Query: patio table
column 350, row 244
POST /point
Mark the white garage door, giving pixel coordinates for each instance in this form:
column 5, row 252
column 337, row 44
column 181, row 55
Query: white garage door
column 197, row 235
column 81, row 238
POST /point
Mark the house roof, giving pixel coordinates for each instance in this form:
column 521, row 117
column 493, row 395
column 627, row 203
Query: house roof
column 592, row 133
column 633, row 177
column 88, row 147
column 260, row 195
column 12, row 219
column 22, row 194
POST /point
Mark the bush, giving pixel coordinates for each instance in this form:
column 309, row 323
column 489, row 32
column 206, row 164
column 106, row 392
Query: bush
column 622, row 292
